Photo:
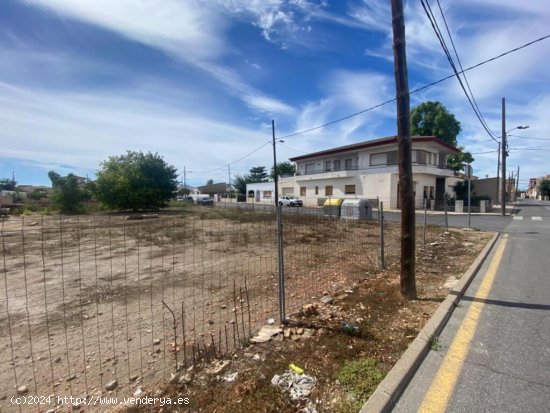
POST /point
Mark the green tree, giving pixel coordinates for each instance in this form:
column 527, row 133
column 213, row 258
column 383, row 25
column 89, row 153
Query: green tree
column 283, row 169
column 433, row 119
column 461, row 190
column 240, row 183
column 135, row 181
column 210, row 182
column 37, row 194
column 7, row 184
column 544, row 187
column 67, row 195
column 257, row 174
column 457, row 162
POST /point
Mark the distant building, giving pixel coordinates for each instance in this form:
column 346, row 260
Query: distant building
column 261, row 192
column 533, row 187
column 217, row 191
column 488, row 187
column 369, row 170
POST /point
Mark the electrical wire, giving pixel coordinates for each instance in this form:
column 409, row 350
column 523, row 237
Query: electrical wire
column 481, row 153
column 461, row 68
column 416, row 90
column 526, row 137
column 231, row 163
column 419, row 89
column 480, row 142
column 439, row 35
column 529, row 149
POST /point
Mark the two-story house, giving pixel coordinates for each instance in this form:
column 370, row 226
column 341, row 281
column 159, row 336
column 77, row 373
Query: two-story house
column 369, row 170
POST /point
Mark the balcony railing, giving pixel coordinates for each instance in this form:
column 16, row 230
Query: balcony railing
column 349, row 168
column 355, row 168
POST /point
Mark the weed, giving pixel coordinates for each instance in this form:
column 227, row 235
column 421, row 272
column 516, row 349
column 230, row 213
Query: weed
column 359, row 378
column 434, row 343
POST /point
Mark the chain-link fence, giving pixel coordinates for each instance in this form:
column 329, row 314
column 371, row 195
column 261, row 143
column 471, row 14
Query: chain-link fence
column 96, row 303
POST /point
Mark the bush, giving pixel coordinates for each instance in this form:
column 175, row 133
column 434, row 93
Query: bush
column 135, row 181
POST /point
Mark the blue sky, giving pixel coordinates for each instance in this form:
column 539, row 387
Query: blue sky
column 199, row 81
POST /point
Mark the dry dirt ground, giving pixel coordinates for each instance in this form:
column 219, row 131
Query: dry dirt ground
column 87, row 300
column 347, row 364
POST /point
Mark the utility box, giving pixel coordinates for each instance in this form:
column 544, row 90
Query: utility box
column 331, row 207
column 356, row 209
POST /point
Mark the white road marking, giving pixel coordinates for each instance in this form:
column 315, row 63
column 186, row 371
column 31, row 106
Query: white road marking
column 516, row 218
column 536, row 218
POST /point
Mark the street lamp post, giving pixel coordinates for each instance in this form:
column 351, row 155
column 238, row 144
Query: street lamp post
column 504, row 150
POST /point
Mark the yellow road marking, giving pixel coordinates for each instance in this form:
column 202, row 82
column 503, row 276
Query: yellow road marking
column 442, row 387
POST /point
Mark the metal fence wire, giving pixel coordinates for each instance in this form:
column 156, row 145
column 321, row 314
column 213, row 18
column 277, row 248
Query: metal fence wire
column 98, row 303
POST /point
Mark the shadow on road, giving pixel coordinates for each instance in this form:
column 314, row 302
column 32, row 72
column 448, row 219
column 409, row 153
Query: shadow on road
column 488, row 301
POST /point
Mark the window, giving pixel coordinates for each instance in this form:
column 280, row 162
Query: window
column 267, row 194
column 316, row 190
column 349, row 164
column 328, row 190
column 302, row 191
column 384, row 158
column 327, row 166
column 310, row 168
column 392, row 158
column 349, row 189
column 421, row 157
column 378, row 159
column 336, row 165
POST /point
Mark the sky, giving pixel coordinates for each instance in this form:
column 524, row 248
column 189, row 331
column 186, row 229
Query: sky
column 199, row 81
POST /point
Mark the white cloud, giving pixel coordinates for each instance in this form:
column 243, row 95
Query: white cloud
column 191, row 31
column 268, row 105
column 81, row 130
column 183, row 28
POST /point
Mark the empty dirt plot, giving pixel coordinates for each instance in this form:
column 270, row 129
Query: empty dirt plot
column 90, row 303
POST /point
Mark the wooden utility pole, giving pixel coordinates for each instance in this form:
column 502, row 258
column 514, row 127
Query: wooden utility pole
column 498, row 174
column 503, row 150
column 404, row 142
column 517, row 184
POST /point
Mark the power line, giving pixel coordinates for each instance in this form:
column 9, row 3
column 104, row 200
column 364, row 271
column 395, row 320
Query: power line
column 526, row 137
column 529, row 149
column 481, row 153
column 419, row 89
column 231, row 163
column 480, row 142
column 439, row 35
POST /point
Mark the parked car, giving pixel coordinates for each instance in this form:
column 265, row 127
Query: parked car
column 205, row 201
column 289, row 200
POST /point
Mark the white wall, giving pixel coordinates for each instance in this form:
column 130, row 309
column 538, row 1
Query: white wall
column 261, row 192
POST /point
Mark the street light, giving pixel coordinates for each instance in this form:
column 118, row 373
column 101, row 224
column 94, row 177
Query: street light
column 508, row 132
column 504, row 148
column 505, row 151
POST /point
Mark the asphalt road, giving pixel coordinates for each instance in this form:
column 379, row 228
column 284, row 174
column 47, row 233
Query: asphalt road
column 478, row 221
column 494, row 354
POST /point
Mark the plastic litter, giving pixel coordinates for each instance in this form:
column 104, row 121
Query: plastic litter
column 231, row 377
column 295, row 368
column 299, row 386
column 349, row 328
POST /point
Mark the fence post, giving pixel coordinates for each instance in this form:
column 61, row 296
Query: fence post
column 281, row 264
column 381, row 221
column 446, row 217
column 425, row 217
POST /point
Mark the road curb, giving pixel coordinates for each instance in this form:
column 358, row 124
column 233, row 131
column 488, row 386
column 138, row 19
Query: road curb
column 390, row 389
